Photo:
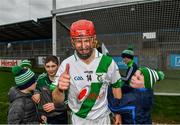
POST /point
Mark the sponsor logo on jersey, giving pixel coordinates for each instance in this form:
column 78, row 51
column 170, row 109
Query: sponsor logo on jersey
column 77, row 78
column 93, row 96
column 83, row 94
column 101, row 77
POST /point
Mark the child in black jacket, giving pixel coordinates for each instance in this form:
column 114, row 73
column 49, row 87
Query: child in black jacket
column 22, row 109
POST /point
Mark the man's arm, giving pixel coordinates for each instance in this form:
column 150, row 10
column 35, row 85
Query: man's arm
column 58, row 95
column 116, row 84
column 117, row 93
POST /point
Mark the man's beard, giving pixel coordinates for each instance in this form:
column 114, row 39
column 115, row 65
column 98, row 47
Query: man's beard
column 85, row 56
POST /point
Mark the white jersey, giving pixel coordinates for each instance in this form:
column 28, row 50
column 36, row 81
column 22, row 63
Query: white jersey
column 87, row 95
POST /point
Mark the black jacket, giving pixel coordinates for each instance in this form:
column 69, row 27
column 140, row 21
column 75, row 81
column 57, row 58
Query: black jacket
column 22, row 109
column 130, row 72
column 43, row 88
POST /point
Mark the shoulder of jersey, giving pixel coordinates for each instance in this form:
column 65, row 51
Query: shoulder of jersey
column 41, row 76
column 68, row 60
column 107, row 57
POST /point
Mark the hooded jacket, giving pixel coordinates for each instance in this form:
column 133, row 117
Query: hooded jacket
column 22, row 109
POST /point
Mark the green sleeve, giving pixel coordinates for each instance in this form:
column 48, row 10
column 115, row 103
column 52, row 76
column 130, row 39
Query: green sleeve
column 117, row 84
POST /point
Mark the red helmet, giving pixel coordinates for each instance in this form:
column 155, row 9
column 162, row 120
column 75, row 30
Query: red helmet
column 82, row 28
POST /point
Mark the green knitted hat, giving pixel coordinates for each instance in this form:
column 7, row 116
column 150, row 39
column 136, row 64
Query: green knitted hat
column 129, row 53
column 151, row 76
column 25, row 63
column 24, row 78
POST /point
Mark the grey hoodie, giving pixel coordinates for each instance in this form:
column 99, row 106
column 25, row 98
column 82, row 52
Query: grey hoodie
column 22, row 109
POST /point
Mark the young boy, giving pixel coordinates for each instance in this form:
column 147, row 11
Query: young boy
column 22, row 109
column 55, row 111
column 25, row 64
column 146, row 78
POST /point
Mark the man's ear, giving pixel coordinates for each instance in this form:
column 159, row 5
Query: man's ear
column 94, row 36
column 72, row 42
column 95, row 42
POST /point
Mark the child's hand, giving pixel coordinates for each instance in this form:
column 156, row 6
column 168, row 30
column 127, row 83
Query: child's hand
column 44, row 119
column 117, row 119
column 36, row 98
column 48, row 107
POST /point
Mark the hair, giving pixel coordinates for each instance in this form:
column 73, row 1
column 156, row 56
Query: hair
column 51, row 58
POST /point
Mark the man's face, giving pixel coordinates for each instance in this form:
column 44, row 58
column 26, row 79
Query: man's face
column 137, row 80
column 83, row 46
column 51, row 68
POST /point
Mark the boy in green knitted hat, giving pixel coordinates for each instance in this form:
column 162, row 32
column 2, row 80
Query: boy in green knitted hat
column 146, row 78
column 25, row 64
column 22, row 109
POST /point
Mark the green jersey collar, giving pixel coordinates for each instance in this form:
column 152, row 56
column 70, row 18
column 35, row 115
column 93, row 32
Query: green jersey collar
column 130, row 63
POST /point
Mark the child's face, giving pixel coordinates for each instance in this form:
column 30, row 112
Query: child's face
column 32, row 87
column 126, row 60
column 51, row 68
column 137, row 80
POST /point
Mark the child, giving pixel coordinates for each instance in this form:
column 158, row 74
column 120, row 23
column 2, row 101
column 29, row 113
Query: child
column 22, row 109
column 55, row 111
column 127, row 90
column 25, row 64
column 146, row 78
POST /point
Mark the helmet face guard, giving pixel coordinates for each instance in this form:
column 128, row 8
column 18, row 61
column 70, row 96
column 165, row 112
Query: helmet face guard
column 85, row 40
column 80, row 30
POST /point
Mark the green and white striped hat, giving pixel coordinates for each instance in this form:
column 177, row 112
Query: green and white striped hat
column 129, row 53
column 24, row 78
column 151, row 76
column 25, row 63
